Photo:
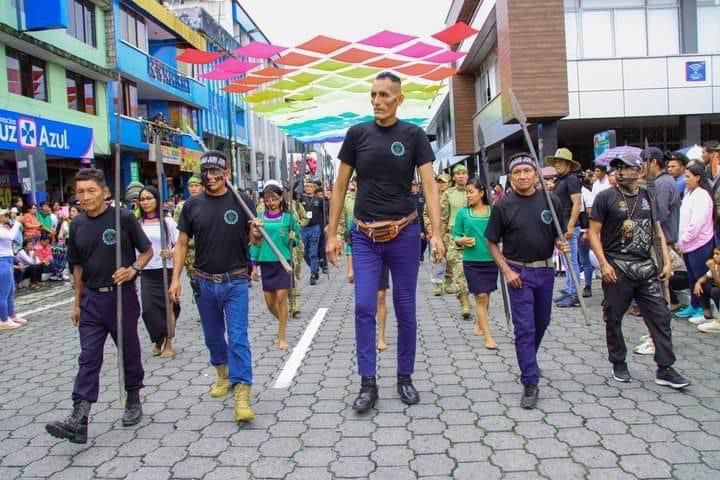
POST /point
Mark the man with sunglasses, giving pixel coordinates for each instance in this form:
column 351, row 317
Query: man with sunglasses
column 216, row 222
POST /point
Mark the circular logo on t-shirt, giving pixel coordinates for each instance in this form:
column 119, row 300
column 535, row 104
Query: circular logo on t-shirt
column 546, row 217
column 231, row 217
column 397, row 149
column 109, row 236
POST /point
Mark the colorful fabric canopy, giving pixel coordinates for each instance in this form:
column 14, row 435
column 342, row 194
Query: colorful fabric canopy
column 318, row 89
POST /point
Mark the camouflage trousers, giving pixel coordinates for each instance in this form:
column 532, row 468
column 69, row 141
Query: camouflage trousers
column 454, row 269
column 297, row 258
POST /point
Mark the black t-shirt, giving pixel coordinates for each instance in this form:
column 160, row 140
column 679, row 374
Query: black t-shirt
column 92, row 245
column 611, row 209
column 385, row 159
column 565, row 186
column 220, row 229
column 314, row 209
column 524, row 225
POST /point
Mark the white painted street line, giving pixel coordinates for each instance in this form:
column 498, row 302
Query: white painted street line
column 46, row 307
column 296, row 357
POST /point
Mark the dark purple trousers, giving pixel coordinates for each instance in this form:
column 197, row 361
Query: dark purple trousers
column 98, row 319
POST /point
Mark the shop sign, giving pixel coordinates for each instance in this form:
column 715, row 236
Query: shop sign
column 57, row 139
column 169, row 155
column 189, row 160
column 134, row 171
column 603, row 141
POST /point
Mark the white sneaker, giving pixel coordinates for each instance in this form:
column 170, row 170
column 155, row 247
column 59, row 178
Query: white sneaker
column 645, row 348
column 8, row 325
column 18, row 320
column 710, row 327
column 698, row 320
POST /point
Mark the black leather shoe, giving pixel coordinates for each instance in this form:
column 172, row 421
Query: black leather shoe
column 74, row 427
column 313, row 280
column 133, row 409
column 408, row 394
column 529, row 397
column 367, row 396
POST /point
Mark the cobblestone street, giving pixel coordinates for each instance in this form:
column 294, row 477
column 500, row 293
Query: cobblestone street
column 468, row 424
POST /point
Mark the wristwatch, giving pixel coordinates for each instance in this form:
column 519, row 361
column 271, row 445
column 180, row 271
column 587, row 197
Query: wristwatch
column 138, row 269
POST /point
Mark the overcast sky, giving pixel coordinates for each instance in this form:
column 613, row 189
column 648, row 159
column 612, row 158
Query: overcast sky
column 291, row 22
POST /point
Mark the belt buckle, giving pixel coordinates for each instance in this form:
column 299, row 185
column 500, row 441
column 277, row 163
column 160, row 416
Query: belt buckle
column 218, row 277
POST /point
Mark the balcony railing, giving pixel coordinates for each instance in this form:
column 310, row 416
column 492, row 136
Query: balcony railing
column 168, row 75
column 167, row 135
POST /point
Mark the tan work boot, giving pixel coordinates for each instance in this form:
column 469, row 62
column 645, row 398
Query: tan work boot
column 465, row 303
column 438, row 289
column 221, row 387
column 243, row 413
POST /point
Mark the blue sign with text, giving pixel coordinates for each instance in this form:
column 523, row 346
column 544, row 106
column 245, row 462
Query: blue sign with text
column 58, row 139
column 45, row 14
column 695, row 72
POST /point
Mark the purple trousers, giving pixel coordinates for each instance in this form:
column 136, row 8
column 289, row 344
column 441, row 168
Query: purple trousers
column 402, row 257
column 98, row 319
column 531, row 305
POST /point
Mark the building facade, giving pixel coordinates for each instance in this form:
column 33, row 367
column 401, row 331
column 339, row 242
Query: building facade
column 52, row 90
column 644, row 68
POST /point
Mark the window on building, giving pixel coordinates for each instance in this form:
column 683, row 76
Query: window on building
column 80, row 92
column 708, row 16
column 130, row 99
column 26, row 75
column 133, row 29
column 486, row 81
column 81, row 21
column 621, row 28
column 181, row 115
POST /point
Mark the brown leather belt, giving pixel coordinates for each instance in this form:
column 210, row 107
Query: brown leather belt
column 221, row 277
column 386, row 230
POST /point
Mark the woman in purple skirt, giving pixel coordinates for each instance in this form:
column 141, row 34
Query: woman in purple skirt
column 480, row 270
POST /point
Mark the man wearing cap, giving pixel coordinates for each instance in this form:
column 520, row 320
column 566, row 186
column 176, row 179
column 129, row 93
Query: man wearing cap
column 621, row 233
column 527, row 266
column 568, row 191
column 451, row 202
column 314, row 210
column 443, row 182
column 195, row 187
column 386, row 153
column 222, row 232
column 131, row 197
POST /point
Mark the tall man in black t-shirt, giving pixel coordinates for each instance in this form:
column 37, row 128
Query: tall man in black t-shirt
column 621, row 234
column 91, row 256
column 528, row 267
column 385, row 154
column 222, row 231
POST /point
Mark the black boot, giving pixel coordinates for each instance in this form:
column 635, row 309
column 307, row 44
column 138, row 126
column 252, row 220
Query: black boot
column 408, row 394
column 368, row 395
column 74, row 427
column 133, row 409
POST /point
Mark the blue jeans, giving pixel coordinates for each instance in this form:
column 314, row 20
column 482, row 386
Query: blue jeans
column 574, row 263
column 402, row 257
column 531, row 308
column 220, row 305
column 586, row 265
column 311, row 240
column 696, row 268
column 7, row 288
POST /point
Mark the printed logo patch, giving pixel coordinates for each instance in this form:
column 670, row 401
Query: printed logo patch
column 231, row 217
column 546, row 217
column 109, row 236
column 397, row 149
